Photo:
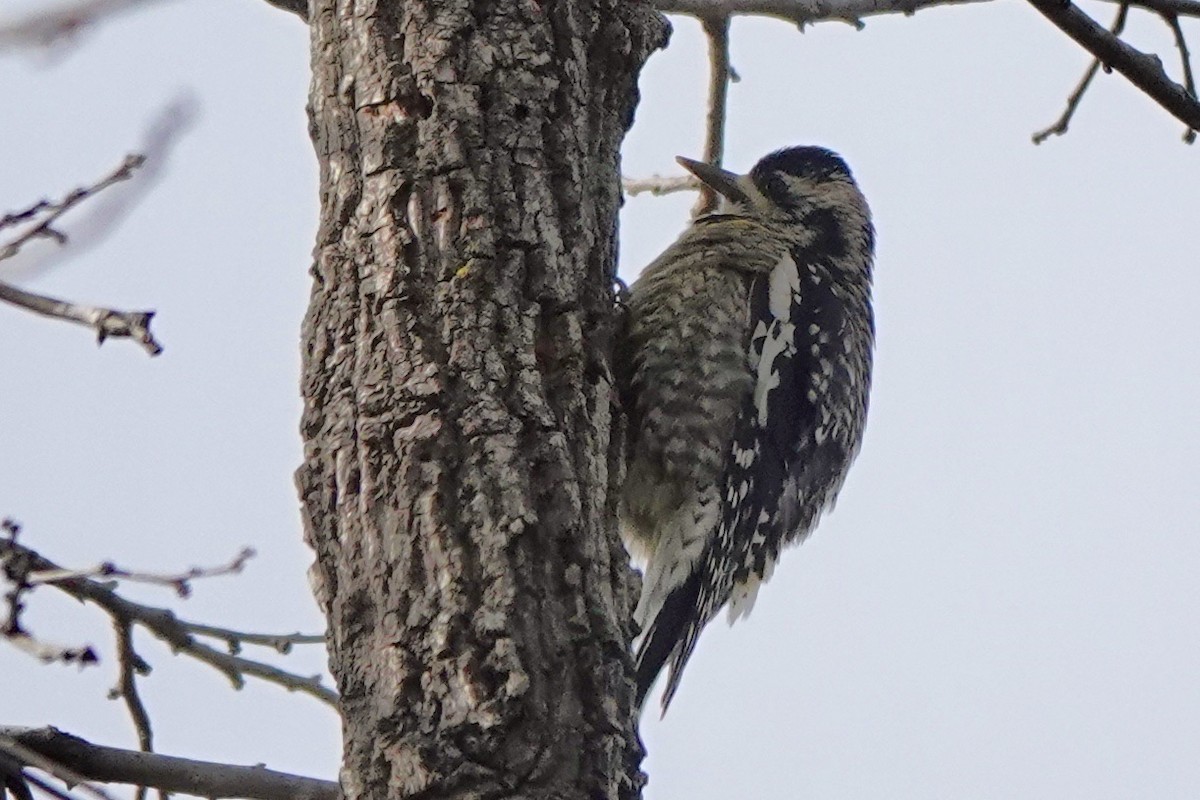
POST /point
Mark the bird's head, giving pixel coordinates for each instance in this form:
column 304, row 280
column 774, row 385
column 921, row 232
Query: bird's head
column 787, row 183
column 807, row 188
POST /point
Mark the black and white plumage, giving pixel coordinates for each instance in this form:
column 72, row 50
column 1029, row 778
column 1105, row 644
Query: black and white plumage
column 744, row 372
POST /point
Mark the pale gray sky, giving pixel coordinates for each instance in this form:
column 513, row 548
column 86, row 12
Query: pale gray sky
column 1004, row 603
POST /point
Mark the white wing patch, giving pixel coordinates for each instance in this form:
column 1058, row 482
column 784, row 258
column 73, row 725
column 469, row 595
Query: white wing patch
column 779, row 334
column 785, row 284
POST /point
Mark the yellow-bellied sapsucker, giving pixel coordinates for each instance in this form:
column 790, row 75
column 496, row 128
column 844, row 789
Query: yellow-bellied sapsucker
column 744, row 373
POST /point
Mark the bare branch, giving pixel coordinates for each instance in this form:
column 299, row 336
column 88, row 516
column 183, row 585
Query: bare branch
column 12, row 746
column 1182, row 8
column 1189, row 80
column 18, row 217
column 201, row 778
column 659, row 185
column 1143, row 70
column 106, row 322
column 16, row 570
column 279, row 642
column 46, row 652
column 132, row 665
column 45, row 226
column 165, row 626
column 716, row 31
column 42, row 217
column 42, row 223
column 1060, row 126
column 94, row 221
column 805, row 12
column 181, row 582
column 801, row 12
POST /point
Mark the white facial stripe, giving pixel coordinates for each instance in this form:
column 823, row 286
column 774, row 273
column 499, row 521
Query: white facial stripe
column 757, row 198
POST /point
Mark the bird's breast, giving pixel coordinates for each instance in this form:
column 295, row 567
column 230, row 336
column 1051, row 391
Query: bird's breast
column 691, row 377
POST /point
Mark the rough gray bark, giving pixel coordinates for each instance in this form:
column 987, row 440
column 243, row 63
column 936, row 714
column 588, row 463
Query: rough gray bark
column 461, row 453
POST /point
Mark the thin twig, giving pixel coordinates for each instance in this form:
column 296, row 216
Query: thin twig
column 101, row 216
column 16, row 569
column 659, row 185
column 42, row 218
column 165, row 626
column 716, row 31
column 48, row 653
column 180, row 582
column 48, row 788
column 1189, row 81
column 92, row 224
column 45, row 226
column 1143, row 70
column 131, row 665
column 279, row 642
column 20, row 217
column 1060, row 127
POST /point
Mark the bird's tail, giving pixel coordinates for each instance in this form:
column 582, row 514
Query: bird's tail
column 671, row 637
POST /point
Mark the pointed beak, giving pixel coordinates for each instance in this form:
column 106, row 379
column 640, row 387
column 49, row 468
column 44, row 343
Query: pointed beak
column 721, row 181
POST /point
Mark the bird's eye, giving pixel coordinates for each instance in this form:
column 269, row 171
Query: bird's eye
column 776, row 190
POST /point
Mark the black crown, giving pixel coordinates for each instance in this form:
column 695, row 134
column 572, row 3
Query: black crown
column 805, row 162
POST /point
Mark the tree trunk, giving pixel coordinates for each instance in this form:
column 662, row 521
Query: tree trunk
column 461, row 452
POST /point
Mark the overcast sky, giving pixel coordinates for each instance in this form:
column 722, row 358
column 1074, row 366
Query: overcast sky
column 1003, row 605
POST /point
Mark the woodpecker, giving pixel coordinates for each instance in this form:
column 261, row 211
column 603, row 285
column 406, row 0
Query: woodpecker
column 744, row 371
